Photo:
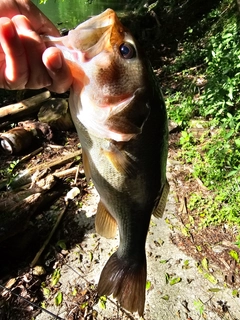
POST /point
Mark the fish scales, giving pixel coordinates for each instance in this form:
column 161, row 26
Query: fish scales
column 121, row 120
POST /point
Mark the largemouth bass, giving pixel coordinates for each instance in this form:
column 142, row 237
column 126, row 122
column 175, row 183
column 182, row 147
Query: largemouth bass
column 121, row 120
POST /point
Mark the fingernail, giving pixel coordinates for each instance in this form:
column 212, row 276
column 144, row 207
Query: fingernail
column 56, row 62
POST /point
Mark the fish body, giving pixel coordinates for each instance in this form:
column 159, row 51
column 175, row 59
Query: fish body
column 120, row 116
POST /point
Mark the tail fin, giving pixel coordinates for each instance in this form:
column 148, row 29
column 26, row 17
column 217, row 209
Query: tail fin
column 126, row 280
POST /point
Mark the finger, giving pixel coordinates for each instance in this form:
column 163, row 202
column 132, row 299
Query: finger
column 39, row 21
column 58, row 70
column 14, row 71
column 34, row 48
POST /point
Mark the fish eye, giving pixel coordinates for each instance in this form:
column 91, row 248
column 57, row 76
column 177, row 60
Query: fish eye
column 127, row 50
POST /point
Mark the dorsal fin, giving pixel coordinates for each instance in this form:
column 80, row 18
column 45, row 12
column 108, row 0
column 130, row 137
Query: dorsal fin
column 159, row 209
column 105, row 224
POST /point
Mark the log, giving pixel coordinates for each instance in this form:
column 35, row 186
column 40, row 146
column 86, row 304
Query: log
column 24, row 107
column 55, row 112
column 25, row 176
column 17, row 209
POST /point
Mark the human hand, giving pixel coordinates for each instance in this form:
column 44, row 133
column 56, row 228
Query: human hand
column 25, row 62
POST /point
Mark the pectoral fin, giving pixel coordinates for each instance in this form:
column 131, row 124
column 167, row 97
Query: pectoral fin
column 120, row 159
column 105, row 224
column 159, row 210
column 86, row 165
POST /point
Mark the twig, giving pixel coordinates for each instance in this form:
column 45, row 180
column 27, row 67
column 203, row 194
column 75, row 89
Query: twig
column 76, row 175
column 30, row 155
column 35, row 260
column 67, row 172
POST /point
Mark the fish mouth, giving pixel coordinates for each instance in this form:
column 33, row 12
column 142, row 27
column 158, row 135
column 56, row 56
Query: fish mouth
column 97, row 34
column 100, row 33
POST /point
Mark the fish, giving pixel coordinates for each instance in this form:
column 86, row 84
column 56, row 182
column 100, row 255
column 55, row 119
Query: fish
column 120, row 116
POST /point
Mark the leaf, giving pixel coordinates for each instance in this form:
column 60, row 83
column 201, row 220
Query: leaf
column 230, row 93
column 84, row 305
column 175, row 281
column 159, row 242
column 186, row 264
column 169, row 223
column 237, row 142
column 148, row 285
column 55, row 277
column 90, row 256
column 199, row 248
column 205, row 263
column 165, row 297
column 46, row 292
column 214, row 290
column 199, row 306
column 210, row 278
column 163, row 261
column 185, row 231
column 74, row 292
column 234, row 255
column 58, row 298
column 102, row 302
column 235, row 293
column 62, row 244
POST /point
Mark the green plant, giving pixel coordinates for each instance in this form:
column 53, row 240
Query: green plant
column 211, row 51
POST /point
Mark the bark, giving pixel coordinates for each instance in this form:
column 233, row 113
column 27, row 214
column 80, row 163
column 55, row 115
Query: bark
column 26, row 176
column 16, row 209
column 24, row 107
column 56, row 113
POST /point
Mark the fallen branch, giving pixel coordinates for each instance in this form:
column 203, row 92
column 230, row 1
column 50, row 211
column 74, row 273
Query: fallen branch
column 26, row 106
column 70, row 196
column 36, row 258
column 17, row 209
column 67, row 172
column 30, row 155
column 25, row 176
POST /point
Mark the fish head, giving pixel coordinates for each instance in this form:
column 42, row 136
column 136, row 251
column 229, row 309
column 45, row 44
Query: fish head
column 109, row 74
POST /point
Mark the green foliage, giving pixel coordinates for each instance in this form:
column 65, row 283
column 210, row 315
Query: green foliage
column 221, row 97
column 198, row 304
column 214, row 56
column 55, row 277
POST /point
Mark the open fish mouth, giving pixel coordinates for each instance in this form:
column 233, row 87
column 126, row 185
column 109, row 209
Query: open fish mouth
column 102, row 32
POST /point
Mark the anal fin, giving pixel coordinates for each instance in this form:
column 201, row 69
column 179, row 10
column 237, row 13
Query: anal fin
column 105, row 224
column 159, row 210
